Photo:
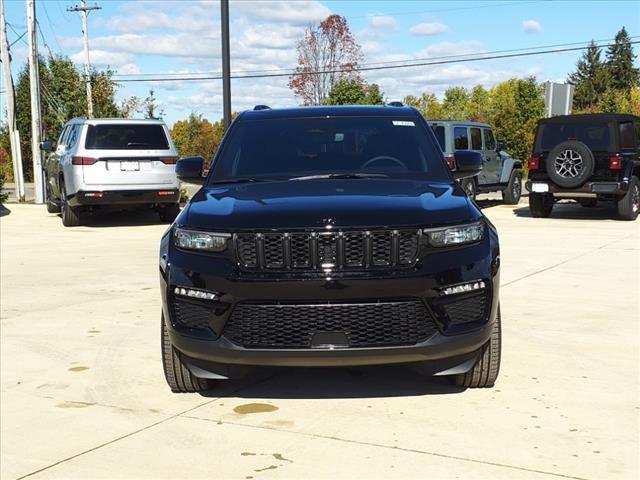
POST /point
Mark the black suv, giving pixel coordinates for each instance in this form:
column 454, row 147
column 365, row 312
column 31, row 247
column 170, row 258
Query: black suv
column 330, row 236
column 589, row 158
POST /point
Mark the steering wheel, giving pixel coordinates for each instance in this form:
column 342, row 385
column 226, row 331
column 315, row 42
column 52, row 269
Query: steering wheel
column 383, row 157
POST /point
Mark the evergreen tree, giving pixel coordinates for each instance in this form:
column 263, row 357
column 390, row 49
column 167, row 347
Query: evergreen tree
column 620, row 57
column 590, row 79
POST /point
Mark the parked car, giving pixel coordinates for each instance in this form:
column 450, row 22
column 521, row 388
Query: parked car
column 330, row 236
column 590, row 158
column 500, row 172
column 101, row 163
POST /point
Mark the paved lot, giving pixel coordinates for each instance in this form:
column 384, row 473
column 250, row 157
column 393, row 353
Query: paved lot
column 83, row 394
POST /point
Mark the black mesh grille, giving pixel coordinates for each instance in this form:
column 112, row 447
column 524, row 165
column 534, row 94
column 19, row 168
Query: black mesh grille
column 274, row 250
column 362, row 324
column 300, row 250
column 466, row 310
column 407, row 247
column 247, row 251
column 190, row 315
column 311, row 251
column 381, row 248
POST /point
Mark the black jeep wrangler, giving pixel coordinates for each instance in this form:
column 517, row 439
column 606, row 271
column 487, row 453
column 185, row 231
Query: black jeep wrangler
column 589, row 158
column 330, row 236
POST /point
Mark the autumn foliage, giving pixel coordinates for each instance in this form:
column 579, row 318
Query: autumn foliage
column 327, row 54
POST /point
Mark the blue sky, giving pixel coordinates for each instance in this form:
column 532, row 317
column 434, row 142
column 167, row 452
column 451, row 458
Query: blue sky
column 183, row 36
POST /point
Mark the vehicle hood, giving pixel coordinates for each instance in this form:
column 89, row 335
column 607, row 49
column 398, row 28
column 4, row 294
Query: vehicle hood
column 318, row 203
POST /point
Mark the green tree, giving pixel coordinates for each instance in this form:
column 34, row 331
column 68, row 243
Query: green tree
column 590, row 79
column 455, row 103
column 619, row 65
column 478, row 106
column 150, row 106
column 197, row 136
column 354, row 92
column 427, row 104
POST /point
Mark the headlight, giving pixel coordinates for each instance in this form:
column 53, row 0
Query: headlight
column 458, row 235
column 194, row 240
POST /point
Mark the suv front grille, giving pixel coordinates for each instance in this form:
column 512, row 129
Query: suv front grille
column 379, row 324
column 318, row 250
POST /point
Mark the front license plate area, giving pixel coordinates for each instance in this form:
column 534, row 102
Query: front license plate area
column 130, row 166
column 539, row 187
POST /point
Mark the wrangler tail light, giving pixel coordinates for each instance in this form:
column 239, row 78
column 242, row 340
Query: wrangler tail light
column 83, row 160
column 615, row 163
column 451, row 162
column 534, row 163
column 164, row 193
column 169, row 160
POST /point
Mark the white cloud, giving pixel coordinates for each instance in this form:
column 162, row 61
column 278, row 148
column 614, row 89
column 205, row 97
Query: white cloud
column 381, row 21
column 428, row 29
column 531, row 26
column 104, row 58
column 129, row 69
column 301, row 12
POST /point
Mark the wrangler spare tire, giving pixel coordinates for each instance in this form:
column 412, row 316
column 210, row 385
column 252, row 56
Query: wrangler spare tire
column 570, row 164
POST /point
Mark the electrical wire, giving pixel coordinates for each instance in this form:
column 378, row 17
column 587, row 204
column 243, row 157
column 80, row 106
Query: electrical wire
column 367, row 68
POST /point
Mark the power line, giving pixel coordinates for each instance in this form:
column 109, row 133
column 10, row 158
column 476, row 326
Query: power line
column 55, row 37
column 474, row 7
column 44, row 40
column 393, row 62
column 368, row 68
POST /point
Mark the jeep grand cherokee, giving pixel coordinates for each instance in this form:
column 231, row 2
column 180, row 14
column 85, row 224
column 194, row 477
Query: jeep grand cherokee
column 330, row 236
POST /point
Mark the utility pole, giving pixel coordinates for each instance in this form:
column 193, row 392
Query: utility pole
column 226, row 65
column 34, row 81
column 11, row 111
column 84, row 12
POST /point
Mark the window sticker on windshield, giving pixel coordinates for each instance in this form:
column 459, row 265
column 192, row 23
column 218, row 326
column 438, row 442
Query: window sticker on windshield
column 403, row 123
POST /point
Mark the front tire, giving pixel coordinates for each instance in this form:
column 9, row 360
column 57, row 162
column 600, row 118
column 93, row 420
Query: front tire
column 485, row 372
column 511, row 195
column 629, row 205
column 178, row 376
column 540, row 204
column 71, row 216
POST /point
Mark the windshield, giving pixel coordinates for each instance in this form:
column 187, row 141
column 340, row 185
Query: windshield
column 593, row 135
column 331, row 147
column 126, row 137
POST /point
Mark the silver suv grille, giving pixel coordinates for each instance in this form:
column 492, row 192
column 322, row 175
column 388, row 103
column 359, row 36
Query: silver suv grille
column 321, row 250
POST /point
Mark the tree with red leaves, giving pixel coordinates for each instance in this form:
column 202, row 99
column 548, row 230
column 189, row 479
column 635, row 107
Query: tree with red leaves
column 327, row 54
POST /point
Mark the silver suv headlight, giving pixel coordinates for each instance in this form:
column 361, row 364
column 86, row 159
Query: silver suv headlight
column 456, row 235
column 203, row 241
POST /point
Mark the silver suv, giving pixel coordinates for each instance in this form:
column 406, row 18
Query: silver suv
column 111, row 162
column 500, row 172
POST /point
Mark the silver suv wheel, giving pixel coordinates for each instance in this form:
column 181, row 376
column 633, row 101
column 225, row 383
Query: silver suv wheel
column 569, row 164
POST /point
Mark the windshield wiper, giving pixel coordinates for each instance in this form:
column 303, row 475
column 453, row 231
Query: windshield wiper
column 239, row 180
column 341, row 176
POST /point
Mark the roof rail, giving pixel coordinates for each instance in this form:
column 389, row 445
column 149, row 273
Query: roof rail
column 262, row 107
column 395, row 104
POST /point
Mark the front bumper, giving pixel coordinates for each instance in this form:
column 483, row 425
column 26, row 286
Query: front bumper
column 589, row 189
column 125, row 197
column 448, row 348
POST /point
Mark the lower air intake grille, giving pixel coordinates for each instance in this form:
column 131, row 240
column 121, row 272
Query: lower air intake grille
column 189, row 315
column 360, row 324
column 466, row 310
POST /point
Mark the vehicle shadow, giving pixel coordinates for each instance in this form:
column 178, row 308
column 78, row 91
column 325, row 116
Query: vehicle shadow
column 4, row 211
column 574, row 211
column 121, row 218
column 488, row 203
column 334, row 383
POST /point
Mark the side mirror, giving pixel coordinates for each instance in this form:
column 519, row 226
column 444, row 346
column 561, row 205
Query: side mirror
column 47, row 146
column 468, row 164
column 500, row 145
column 190, row 168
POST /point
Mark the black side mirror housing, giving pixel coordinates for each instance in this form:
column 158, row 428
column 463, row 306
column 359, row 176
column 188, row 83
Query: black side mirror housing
column 468, row 164
column 500, row 145
column 47, row 146
column 190, row 168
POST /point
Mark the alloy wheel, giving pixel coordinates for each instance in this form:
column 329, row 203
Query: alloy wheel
column 569, row 164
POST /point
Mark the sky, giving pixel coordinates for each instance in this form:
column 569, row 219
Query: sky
column 143, row 37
